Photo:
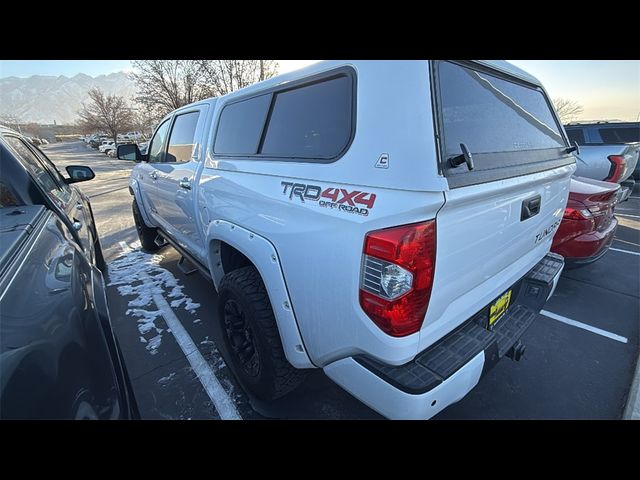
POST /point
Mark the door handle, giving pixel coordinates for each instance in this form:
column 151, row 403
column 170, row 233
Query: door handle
column 76, row 225
column 530, row 207
column 185, row 183
column 154, row 175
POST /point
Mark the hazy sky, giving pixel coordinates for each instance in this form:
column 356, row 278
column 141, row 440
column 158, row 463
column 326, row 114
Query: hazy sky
column 607, row 89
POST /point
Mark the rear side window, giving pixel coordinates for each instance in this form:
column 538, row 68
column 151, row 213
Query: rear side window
column 620, row 134
column 59, row 193
column 241, row 125
column 311, row 121
column 509, row 127
column 575, row 135
column 182, row 138
column 489, row 114
column 8, row 197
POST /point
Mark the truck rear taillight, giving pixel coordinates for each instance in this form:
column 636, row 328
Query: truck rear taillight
column 397, row 275
column 618, row 167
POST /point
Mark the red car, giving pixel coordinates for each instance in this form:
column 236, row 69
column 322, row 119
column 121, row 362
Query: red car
column 588, row 224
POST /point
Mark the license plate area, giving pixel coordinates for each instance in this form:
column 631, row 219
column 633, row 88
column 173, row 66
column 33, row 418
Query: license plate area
column 499, row 307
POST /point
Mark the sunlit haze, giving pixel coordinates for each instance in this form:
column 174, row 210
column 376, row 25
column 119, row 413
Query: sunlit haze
column 606, row 89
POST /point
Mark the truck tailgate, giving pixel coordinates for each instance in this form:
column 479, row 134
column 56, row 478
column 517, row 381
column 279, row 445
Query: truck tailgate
column 484, row 245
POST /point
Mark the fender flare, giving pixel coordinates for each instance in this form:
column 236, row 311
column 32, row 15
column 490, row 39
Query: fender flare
column 264, row 257
column 134, row 189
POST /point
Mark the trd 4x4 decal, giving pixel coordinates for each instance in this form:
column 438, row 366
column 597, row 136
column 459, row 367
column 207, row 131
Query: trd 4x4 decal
column 339, row 198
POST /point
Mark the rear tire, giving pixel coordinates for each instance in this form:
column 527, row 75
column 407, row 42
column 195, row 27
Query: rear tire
column 251, row 336
column 147, row 235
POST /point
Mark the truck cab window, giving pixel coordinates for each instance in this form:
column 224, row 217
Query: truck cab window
column 156, row 149
column 182, row 137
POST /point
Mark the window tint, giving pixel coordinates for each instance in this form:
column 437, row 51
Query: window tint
column 575, row 135
column 620, row 134
column 8, row 198
column 42, row 176
column 182, row 138
column 240, row 126
column 310, row 121
column 489, row 114
column 52, row 168
column 156, row 149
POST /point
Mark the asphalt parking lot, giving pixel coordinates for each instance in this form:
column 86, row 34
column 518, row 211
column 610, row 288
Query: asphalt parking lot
column 579, row 363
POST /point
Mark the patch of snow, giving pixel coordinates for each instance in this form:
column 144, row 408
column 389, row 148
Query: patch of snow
column 138, row 274
column 191, row 305
column 176, row 303
column 153, row 344
column 197, row 320
column 167, row 379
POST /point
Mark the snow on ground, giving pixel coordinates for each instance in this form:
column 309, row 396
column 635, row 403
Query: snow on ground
column 139, row 274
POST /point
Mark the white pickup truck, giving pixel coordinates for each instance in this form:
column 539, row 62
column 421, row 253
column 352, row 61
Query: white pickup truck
column 608, row 151
column 386, row 221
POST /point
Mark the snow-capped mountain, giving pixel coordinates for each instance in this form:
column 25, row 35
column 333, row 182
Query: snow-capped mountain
column 48, row 99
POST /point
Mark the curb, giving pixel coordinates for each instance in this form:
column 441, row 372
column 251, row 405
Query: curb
column 632, row 410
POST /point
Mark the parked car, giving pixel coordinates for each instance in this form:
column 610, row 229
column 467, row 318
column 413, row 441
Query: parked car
column 111, row 153
column 34, row 141
column 588, row 224
column 608, row 151
column 109, row 148
column 106, row 144
column 58, row 354
column 44, row 141
column 95, row 143
column 131, row 136
column 403, row 266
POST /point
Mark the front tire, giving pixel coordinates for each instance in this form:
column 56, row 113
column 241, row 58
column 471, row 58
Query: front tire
column 251, row 336
column 147, row 235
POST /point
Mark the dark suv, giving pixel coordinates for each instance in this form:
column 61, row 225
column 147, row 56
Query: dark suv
column 59, row 357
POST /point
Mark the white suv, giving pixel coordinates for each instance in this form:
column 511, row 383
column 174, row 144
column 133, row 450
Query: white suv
column 386, row 221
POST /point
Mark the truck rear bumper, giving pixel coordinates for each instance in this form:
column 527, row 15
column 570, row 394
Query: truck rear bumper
column 446, row 371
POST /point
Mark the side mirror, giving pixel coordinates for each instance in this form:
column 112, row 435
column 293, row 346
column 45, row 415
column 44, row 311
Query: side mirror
column 130, row 152
column 79, row 173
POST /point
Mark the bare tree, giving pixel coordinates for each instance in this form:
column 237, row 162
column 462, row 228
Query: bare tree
column 12, row 121
column 108, row 113
column 567, row 109
column 164, row 85
column 144, row 119
column 225, row 76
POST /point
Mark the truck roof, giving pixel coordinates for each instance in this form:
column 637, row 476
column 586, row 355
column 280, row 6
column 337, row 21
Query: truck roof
column 322, row 66
column 602, row 122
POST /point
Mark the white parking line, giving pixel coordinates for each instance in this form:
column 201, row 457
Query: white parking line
column 584, row 326
column 221, row 400
column 637, row 198
column 624, row 251
column 627, row 215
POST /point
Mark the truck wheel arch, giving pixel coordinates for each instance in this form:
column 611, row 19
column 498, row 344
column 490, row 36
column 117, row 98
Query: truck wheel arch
column 234, row 245
column 134, row 190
